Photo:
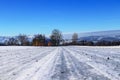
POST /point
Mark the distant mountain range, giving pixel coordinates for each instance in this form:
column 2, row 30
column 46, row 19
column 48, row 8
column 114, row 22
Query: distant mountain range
column 111, row 35
column 3, row 39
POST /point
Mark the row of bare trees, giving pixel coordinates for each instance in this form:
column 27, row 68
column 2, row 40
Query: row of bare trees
column 38, row 40
column 18, row 40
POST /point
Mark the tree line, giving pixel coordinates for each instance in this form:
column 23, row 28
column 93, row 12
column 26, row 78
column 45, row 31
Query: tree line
column 37, row 40
column 55, row 39
column 75, row 41
column 92, row 43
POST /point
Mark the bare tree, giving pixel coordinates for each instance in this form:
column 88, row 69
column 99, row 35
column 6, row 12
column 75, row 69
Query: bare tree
column 11, row 41
column 56, row 37
column 74, row 37
column 23, row 40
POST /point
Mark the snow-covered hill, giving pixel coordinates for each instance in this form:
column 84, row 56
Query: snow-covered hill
column 96, row 36
column 3, row 39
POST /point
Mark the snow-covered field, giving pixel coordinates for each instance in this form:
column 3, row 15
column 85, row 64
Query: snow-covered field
column 59, row 63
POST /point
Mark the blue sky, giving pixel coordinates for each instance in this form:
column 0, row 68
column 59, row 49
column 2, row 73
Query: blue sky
column 42, row 16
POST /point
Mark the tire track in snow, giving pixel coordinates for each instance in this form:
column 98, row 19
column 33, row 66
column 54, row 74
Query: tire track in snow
column 13, row 54
column 110, row 66
column 36, row 69
column 59, row 70
column 96, row 57
column 98, row 67
column 71, row 67
column 17, row 69
column 97, row 51
column 83, row 69
column 98, row 54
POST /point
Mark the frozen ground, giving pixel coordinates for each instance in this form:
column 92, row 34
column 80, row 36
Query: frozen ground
column 60, row 63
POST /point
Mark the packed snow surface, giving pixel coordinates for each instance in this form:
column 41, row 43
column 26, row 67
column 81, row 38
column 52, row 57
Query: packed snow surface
column 60, row 63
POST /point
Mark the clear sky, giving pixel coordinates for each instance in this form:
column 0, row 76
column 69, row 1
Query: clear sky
column 42, row 16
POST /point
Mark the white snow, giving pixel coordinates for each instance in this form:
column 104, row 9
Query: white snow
column 59, row 63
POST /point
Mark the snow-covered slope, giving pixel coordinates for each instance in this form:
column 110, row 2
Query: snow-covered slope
column 3, row 39
column 59, row 63
column 100, row 35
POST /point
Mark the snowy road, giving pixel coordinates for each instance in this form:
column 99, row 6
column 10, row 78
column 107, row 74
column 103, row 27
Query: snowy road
column 60, row 63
